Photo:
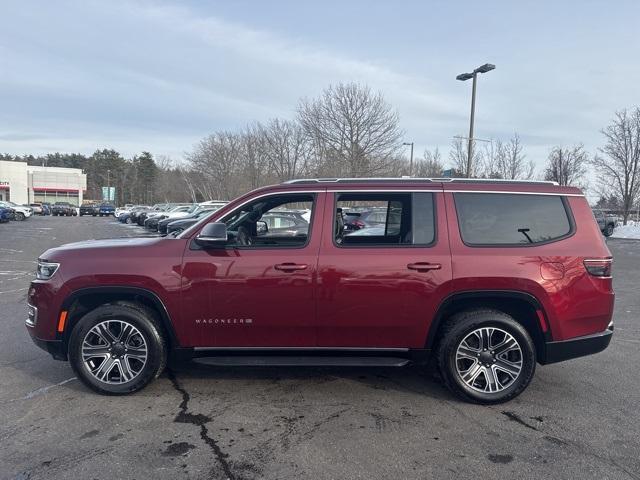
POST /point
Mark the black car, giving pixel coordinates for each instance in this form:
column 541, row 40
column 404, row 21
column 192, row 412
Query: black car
column 89, row 209
column 169, row 225
column 63, row 209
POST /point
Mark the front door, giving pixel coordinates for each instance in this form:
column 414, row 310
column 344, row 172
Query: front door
column 258, row 291
column 381, row 284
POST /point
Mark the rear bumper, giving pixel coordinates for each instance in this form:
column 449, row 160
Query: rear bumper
column 577, row 347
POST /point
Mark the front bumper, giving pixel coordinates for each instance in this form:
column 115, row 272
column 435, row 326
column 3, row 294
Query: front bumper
column 577, row 347
column 54, row 347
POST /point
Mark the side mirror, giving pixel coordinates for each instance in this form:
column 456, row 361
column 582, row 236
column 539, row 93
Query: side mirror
column 261, row 227
column 212, row 235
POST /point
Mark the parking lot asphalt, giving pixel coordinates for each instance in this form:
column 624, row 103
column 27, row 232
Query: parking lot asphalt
column 579, row 419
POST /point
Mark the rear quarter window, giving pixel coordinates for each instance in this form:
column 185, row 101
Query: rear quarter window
column 512, row 219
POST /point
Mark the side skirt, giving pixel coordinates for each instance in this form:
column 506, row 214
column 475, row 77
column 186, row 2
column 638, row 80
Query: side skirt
column 291, row 356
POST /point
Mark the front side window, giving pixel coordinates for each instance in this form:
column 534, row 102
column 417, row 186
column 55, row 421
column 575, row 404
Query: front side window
column 511, row 219
column 272, row 221
column 384, row 219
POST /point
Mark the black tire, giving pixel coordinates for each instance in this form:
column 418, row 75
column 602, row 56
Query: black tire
column 145, row 322
column 20, row 216
column 457, row 328
column 608, row 231
column 93, row 214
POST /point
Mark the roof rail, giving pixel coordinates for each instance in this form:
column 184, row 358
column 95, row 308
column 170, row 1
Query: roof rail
column 416, row 179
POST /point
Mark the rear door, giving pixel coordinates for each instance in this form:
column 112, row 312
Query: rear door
column 380, row 286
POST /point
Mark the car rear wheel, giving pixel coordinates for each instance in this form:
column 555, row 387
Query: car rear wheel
column 117, row 349
column 486, row 356
column 609, row 230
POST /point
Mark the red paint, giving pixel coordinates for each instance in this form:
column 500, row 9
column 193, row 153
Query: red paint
column 62, row 190
column 345, row 297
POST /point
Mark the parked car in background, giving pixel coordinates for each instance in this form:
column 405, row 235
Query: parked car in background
column 106, row 209
column 178, row 212
column 6, row 214
column 282, row 223
column 170, row 225
column 89, row 209
column 487, row 278
column 130, row 216
column 63, row 209
column 355, row 220
column 37, row 208
column 20, row 212
column 120, row 210
column 606, row 222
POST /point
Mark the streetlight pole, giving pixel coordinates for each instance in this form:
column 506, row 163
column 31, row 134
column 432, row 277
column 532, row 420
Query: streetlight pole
column 487, row 67
column 410, row 158
column 108, row 184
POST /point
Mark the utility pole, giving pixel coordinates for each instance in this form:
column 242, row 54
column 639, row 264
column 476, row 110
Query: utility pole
column 487, row 67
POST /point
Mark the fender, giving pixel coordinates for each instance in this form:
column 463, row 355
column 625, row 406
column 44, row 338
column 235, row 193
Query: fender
column 479, row 294
column 149, row 295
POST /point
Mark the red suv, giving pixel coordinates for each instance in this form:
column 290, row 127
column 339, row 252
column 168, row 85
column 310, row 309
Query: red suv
column 487, row 277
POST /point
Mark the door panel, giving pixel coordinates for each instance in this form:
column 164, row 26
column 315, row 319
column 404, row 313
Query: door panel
column 254, row 296
column 371, row 296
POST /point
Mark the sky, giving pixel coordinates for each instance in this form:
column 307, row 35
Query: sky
column 76, row 76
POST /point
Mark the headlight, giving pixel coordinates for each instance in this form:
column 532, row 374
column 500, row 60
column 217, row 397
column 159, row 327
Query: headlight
column 46, row 270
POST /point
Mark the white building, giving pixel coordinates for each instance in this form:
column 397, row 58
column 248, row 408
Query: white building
column 23, row 184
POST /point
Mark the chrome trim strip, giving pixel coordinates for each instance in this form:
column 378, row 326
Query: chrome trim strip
column 35, row 319
column 510, row 192
column 302, row 349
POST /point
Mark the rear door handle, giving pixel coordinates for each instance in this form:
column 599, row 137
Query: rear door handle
column 424, row 266
column 290, row 267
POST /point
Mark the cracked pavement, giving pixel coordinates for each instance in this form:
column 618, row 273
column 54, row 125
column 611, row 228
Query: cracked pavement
column 578, row 419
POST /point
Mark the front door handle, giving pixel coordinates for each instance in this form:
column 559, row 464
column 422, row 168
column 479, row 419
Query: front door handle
column 290, row 267
column 424, row 266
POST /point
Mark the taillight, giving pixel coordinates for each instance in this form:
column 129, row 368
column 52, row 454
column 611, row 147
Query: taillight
column 598, row 267
column 359, row 223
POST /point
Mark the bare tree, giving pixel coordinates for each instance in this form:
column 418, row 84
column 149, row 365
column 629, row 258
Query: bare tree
column 352, row 130
column 430, row 165
column 619, row 170
column 567, row 166
column 458, row 157
column 285, row 149
column 511, row 161
column 216, row 161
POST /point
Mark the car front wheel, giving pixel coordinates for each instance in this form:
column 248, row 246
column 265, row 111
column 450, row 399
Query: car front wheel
column 117, row 349
column 20, row 216
column 486, row 356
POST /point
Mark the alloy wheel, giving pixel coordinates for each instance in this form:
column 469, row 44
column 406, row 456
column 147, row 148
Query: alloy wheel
column 114, row 352
column 489, row 360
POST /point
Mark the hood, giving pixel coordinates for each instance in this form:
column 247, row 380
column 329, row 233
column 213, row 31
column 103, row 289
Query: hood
column 89, row 245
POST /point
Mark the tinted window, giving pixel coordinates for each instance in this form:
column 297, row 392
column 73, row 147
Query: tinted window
column 508, row 219
column 256, row 225
column 385, row 219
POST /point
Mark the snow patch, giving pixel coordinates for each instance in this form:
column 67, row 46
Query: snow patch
column 630, row 230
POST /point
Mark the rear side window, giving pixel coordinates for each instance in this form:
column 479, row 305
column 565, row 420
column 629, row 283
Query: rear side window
column 511, row 219
column 384, row 219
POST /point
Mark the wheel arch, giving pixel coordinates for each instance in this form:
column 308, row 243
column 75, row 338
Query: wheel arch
column 522, row 306
column 86, row 299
